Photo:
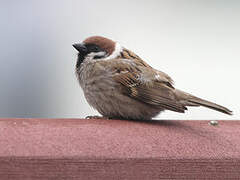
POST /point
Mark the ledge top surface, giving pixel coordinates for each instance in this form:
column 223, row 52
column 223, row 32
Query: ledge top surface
column 119, row 139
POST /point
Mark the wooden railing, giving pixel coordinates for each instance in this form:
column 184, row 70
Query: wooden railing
column 65, row 149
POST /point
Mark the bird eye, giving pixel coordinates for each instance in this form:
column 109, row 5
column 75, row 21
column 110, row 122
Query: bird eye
column 93, row 48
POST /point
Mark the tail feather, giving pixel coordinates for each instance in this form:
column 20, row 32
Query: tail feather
column 190, row 100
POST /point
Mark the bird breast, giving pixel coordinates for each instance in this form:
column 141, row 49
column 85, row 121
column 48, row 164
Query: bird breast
column 96, row 82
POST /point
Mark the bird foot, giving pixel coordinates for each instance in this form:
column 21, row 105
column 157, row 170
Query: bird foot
column 96, row 117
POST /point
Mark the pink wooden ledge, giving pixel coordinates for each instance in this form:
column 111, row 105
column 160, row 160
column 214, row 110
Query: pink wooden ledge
column 65, row 149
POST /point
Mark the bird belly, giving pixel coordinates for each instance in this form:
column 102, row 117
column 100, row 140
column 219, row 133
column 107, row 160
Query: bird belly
column 104, row 95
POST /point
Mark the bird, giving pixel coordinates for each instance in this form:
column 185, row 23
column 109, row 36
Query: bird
column 121, row 85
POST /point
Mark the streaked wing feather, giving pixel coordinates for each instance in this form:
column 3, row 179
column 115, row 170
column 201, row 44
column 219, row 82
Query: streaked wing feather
column 161, row 76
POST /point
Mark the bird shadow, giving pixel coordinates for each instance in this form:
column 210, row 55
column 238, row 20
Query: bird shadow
column 194, row 128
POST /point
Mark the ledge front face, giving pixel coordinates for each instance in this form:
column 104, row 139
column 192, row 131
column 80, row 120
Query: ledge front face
column 117, row 148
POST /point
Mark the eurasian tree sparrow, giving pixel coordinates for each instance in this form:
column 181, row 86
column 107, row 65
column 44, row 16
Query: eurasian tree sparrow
column 119, row 84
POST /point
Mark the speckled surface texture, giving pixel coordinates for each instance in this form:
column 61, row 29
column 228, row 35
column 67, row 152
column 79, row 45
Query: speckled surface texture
column 118, row 149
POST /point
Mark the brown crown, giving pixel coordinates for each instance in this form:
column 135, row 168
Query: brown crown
column 104, row 43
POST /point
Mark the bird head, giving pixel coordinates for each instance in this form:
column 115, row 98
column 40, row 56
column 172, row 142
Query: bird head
column 97, row 47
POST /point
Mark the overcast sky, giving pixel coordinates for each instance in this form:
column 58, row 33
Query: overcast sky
column 196, row 42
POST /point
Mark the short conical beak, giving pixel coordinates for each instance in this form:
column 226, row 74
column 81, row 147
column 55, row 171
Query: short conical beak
column 80, row 47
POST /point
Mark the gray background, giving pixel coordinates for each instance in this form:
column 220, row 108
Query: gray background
column 196, row 42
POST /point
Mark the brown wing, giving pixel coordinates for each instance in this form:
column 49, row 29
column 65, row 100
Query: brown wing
column 155, row 93
column 161, row 76
column 144, row 84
